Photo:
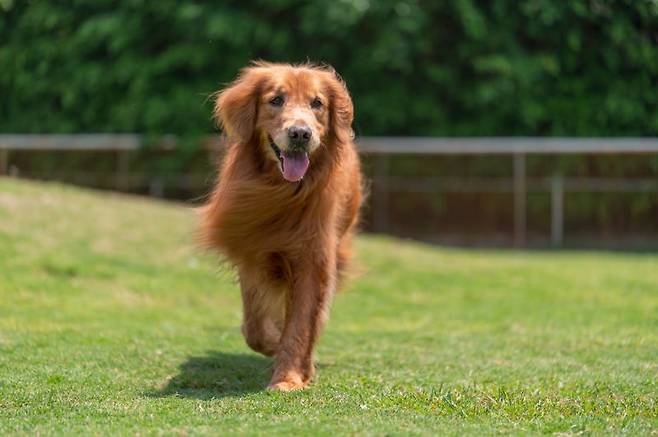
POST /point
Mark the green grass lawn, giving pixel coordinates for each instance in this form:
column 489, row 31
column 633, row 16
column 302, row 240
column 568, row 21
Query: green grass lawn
column 111, row 322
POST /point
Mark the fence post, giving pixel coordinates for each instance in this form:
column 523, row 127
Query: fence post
column 4, row 161
column 156, row 187
column 123, row 164
column 557, row 210
column 381, row 199
column 519, row 200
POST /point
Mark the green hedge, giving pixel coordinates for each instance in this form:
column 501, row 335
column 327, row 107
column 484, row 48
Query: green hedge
column 458, row 67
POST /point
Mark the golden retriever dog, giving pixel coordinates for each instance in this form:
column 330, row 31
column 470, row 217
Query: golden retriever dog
column 285, row 207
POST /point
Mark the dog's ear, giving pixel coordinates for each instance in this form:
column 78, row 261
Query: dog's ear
column 236, row 105
column 342, row 109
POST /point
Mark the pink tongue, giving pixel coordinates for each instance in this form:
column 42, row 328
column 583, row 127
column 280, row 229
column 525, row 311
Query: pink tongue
column 294, row 166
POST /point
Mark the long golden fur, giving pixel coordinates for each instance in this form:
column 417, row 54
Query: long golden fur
column 289, row 238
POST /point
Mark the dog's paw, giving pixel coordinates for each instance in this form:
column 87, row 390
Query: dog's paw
column 289, row 381
column 286, row 386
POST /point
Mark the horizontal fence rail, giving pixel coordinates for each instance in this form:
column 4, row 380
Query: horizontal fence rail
column 81, row 142
column 504, row 145
column 383, row 147
column 374, row 145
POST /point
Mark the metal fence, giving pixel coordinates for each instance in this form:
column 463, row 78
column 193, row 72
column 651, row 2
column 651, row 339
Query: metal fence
column 381, row 148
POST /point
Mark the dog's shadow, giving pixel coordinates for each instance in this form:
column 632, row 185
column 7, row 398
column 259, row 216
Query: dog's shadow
column 218, row 374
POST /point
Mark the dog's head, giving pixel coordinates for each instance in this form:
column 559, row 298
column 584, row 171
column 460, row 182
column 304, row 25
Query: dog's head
column 288, row 112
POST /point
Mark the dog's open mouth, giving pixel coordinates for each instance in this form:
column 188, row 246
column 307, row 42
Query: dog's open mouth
column 293, row 165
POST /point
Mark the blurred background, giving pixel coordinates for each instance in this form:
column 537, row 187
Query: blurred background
column 119, row 93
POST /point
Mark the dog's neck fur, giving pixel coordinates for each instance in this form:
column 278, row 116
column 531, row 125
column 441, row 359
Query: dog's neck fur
column 249, row 187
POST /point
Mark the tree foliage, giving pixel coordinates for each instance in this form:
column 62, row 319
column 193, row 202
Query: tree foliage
column 415, row 67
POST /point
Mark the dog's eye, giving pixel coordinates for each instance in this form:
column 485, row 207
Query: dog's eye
column 316, row 103
column 277, row 101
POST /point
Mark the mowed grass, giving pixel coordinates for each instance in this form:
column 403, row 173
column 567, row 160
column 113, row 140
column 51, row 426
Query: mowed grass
column 111, row 322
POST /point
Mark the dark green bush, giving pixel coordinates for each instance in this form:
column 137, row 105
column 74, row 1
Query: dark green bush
column 464, row 67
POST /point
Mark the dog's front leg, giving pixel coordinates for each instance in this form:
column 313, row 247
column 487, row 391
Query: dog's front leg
column 306, row 312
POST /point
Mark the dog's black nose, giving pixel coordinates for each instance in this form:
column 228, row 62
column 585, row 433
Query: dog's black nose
column 299, row 135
